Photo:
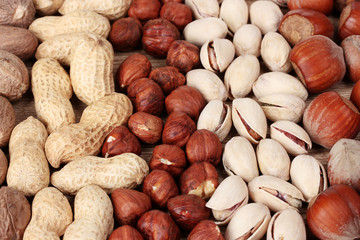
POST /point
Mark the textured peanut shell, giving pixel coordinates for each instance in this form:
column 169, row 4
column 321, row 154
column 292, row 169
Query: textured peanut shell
column 14, row 76
column 77, row 21
column 126, row 170
column 7, row 122
column 3, row 166
column 91, row 68
column 18, row 13
column 28, row 169
column 51, row 215
column 86, row 137
column 52, row 91
column 112, row 9
column 93, row 215
column 47, row 7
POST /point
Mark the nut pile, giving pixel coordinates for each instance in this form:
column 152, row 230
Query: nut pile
column 227, row 118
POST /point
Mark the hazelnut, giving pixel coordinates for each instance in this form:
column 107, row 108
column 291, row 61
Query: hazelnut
column 204, row 145
column 158, row 34
column 324, row 6
column 185, row 99
column 156, row 224
column 206, row 229
column 177, row 13
column 340, row 4
column 349, row 20
column 200, row 179
column 167, row 1
column 146, row 96
column 129, row 205
column 120, row 140
column 146, row 127
column 355, row 95
column 134, row 67
column 169, row 78
column 183, row 55
column 350, row 46
column 144, row 10
column 170, row 158
column 178, row 128
column 160, row 186
column 125, row 34
column 125, row 232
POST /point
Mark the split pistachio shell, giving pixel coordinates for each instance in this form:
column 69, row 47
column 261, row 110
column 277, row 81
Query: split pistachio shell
column 266, row 15
column 281, row 106
column 241, row 75
column 273, row 159
column 208, row 83
column 275, row 52
column 249, row 119
column 275, row 193
column 203, row 8
column 247, row 40
column 291, row 136
column 239, row 158
column 235, row 13
column 286, row 225
column 278, row 82
column 308, row 175
column 229, row 196
column 202, row 30
column 216, row 117
column 216, row 55
column 249, row 222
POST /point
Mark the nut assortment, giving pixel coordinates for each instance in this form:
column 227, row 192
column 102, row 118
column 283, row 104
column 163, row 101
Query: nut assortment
column 217, row 119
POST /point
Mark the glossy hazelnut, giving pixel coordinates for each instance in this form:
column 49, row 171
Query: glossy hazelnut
column 125, row 232
column 206, row 229
column 185, row 99
column 177, row 13
column 351, row 48
column 178, row 128
column 134, row 67
column 125, row 34
column 146, row 127
column 144, row 10
column 160, row 186
column 170, row 158
column 129, row 205
column 324, row 6
column 169, row 78
column 183, row 55
column 340, row 4
column 158, row 34
column 355, row 95
column 120, row 140
column 167, row 1
column 146, row 96
column 349, row 22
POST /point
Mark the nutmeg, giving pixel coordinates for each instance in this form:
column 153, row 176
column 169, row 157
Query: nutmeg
column 125, row 34
column 183, row 55
column 144, row 10
column 17, row 13
column 146, row 127
column 125, row 232
column 4, row 166
column 349, row 22
column 169, row 78
column 177, row 13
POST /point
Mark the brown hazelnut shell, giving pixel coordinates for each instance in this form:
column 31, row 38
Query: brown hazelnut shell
column 183, row 55
column 177, row 13
column 125, row 34
column 125, row 232
column 144, row 10
column 169, row 78
column 146, row 127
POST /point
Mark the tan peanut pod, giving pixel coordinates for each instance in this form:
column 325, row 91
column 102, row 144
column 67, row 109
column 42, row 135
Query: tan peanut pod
column 93, row 213
column 52, row 90
column 51, row 215
column 86, row 137
column 77, row 21
column 112, row 9
column 7, row 121
column 91, row 68
column 126, row 170
column 28, row 170
column 47, row 7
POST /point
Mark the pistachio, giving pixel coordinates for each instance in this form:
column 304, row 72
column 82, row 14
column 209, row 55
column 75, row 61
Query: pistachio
column 281, row 106
column 241, row 75
column 247, row 40
column 291, row 136
column 308, row 175
column 266, row 15
column 249, row 119
column 216, row 117
column 229, row 196
column 249, row 222
column 275, row 193
column 286, row 225
column 203, row 8
column 278, row 82
column 239, row 158
column 208, row 84
column 216, row 55
column 273, row 159
column 235, row 13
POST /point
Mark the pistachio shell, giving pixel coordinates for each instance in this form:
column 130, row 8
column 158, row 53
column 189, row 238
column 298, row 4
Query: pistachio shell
column 203, row 8
column 241, row 75
column 235, row 13
column 249, row 222
column 249, row 119
column 247, row 40
column 266, row 15
column 281, row 106
column 308, row 175
column 273, row 159
column 216, row 55
column 278, row 82
column 216, row 117
column 239, row 158
column 229, row 196
column 208, row 83
column 291, row 136
column 275, row 193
